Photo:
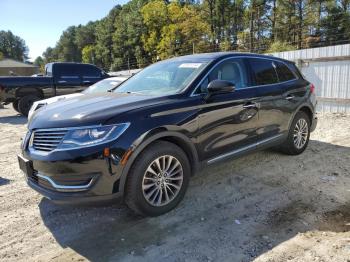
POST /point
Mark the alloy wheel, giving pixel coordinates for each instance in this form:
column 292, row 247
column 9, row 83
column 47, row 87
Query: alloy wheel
column 301, row 132
column 162, row 180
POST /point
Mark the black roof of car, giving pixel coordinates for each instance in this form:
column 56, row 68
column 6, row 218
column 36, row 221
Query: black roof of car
column 219, row 55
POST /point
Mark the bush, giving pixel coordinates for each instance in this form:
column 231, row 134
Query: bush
column 279, row 46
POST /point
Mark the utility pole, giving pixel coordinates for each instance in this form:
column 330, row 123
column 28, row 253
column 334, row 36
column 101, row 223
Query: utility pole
column 129, row 64
column 193, row 47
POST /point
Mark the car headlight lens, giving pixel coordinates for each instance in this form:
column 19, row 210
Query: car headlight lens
column 89, row 136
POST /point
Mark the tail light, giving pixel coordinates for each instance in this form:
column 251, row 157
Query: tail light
column 312, row 88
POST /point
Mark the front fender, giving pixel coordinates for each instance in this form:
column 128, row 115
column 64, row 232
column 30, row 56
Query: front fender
column 156, row 134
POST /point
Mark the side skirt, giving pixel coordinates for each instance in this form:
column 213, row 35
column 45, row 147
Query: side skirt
column 262, row 144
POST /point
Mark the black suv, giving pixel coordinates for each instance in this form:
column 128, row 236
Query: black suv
column 145, row 139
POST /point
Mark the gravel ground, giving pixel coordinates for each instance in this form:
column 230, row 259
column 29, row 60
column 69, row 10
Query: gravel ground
column 262, row 207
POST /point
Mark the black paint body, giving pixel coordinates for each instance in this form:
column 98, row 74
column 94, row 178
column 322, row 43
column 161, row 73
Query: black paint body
column 208, row 129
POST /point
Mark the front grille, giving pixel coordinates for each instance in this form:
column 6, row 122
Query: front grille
column 47, row 140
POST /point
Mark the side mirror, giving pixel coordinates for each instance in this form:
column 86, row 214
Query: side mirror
column 220, row 87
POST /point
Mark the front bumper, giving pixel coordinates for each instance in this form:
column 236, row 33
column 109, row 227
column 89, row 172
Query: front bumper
column 86, row 179
column 72, row 198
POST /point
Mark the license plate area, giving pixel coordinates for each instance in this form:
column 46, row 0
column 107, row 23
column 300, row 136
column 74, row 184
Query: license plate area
column 26, row 166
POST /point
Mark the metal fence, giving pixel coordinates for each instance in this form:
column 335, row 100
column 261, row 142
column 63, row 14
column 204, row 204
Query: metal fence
column 328, row 68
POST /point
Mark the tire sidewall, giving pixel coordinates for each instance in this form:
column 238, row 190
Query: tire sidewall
column 15, row 105
column 139, row 168
column 25, row 103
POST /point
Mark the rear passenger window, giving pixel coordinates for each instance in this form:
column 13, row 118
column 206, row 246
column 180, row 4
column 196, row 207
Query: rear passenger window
column 284, row 73
column 264, row 71
column 66, row 71
column 90, row 71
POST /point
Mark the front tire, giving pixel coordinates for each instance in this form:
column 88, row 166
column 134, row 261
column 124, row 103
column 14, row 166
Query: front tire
column 15, row 105
column 298, row 136
column 158, row 179
column 25, row 103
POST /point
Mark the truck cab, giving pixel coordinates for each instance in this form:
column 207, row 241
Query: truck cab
column 59, row 79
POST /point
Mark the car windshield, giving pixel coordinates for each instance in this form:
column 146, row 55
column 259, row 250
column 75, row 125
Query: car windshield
column 163, row 78
column 102, row 86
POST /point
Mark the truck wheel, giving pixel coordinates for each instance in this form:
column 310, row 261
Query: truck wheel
column 158, row 179
column 25, row 103
column 15, row 105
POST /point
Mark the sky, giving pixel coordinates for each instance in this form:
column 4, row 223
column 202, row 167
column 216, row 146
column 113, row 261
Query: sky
column 41, row 22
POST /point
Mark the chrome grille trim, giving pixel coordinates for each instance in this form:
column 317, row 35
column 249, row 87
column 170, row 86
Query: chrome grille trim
column 47, row 140
column 64, row 188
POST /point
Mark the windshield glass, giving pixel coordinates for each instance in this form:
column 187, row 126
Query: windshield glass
column 163, row 78
column 102, row 86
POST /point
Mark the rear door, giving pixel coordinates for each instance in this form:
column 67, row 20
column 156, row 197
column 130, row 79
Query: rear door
column 67, row 79
column 227, row 122
column 275, row 85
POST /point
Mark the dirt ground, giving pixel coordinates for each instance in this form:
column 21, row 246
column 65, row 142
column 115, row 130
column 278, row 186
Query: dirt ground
column 262, row 207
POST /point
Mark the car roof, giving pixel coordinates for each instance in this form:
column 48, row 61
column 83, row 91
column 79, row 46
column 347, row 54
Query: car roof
column 206, row 57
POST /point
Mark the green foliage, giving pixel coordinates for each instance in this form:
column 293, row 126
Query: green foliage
column 88, row 54
column 279, row 46
column 39, row 61
column 128, row 50
column 173, row 29
column 143, row 31
column 12, row 46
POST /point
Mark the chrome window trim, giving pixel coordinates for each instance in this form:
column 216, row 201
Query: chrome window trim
column 69, row 77
column 247, row 57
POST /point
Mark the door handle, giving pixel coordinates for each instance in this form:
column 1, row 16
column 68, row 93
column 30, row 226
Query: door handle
column 86, row 82
column 250, row 105
column 290, row 97
column 62, row 81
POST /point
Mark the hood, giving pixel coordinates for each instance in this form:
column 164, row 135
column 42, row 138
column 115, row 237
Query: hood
column 88, row 109
column 58, row 98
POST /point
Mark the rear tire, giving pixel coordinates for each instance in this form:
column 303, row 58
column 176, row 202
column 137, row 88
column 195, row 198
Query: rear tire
column 158, row 179
column 25, row 103
column 298, row 136
column 15, row 105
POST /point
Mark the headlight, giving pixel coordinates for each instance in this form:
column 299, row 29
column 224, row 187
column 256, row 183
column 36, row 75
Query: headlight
column 89, row 136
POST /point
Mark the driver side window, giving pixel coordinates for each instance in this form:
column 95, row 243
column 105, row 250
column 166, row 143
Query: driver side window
column 232, row 70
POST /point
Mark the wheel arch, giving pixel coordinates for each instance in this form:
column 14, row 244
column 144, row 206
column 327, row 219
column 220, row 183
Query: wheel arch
column 308, row 112
column 24, row 91
column 306, row 108
column 160, row 134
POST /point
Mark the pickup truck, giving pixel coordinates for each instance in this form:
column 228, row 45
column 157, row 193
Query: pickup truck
column 59, row 79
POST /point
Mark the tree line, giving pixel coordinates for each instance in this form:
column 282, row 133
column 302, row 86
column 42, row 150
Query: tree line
column 12, row 46
column 140, row 32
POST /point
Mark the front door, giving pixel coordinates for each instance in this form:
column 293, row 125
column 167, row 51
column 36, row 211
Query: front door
column 227, row 122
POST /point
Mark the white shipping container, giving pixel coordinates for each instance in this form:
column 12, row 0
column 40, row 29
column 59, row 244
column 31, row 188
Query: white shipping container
column 328, row 68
